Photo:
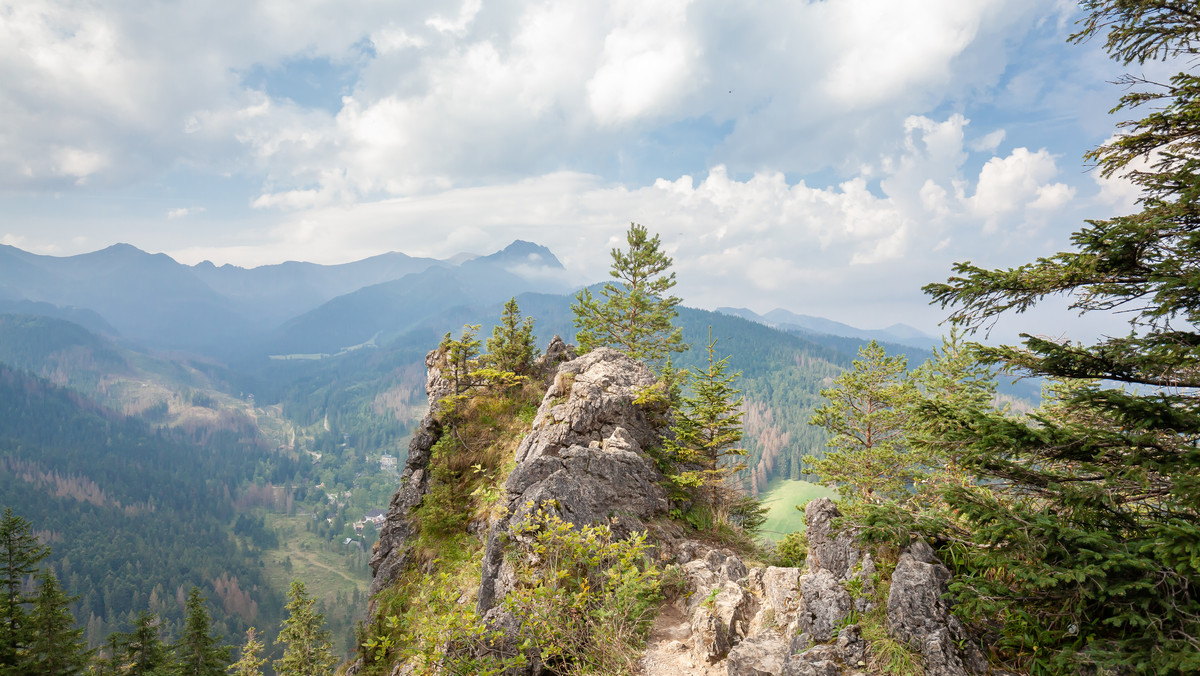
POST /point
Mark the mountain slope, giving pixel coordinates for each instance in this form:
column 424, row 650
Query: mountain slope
column 790, row 321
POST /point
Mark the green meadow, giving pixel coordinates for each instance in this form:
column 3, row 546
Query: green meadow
column 781, row 499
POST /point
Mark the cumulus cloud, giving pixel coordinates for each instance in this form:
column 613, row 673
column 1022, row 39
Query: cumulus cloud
column 797, row 145
column 459, row 95
column 1013, row 183
column 762, row 237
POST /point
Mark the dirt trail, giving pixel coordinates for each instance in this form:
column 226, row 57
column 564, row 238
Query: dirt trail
column 669, row 648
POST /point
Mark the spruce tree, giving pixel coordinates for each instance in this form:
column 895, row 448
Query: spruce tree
column 141, row 652
column 634, row 317
column 511, row 347
column 58, row 647
column 869, row 459
column 1094, row 512
column 462, row 358
column 307, row 650
column 706, row 431
column 250, row 662
column 20, row 554
column 199, row 652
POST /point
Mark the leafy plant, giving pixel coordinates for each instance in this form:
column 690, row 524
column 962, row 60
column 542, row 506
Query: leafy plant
column 585, row 599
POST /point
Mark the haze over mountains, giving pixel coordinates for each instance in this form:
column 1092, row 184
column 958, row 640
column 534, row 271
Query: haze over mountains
column 232, row 312
column 298, row 308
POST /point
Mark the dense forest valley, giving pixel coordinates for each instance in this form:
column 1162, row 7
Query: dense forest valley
column 402, row 466
column 148, row 473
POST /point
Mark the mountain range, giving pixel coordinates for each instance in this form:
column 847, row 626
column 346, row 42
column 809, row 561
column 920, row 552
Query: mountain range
column 901, row 334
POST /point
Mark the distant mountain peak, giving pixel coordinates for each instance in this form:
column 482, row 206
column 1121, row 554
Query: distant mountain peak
column 521, row 252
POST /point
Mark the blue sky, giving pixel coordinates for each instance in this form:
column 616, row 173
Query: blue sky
column 824, row 157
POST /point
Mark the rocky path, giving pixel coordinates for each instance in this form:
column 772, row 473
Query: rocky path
column 669, row 649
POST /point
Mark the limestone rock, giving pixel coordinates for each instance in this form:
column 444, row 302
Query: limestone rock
column 825, row 604
column 918, row 614
column 556, row 353
column 721, row 624
column 835, row 552
column 392, row 550
column 761, row 655
column 591, row 396
column 583, row 460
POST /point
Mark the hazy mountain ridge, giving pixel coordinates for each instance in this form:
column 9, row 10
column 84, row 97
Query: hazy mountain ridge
column 902, row 334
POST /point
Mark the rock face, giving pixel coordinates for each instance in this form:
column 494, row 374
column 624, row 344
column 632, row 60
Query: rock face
column 392, row 551
column 919, row 615
column 584, row 459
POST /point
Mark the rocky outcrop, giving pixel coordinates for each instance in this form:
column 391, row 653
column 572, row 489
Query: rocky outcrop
column 584, row 460
column 392, row 550
column 919, row 614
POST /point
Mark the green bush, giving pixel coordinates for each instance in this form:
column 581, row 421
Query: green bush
column 585, row 600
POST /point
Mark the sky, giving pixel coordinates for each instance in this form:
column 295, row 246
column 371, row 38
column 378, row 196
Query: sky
column 828, row 158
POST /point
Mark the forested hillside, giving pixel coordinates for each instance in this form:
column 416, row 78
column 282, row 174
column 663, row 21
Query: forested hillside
column 135, row 516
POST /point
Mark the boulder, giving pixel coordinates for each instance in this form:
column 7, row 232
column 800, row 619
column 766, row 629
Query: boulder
column 720, row 623
column 761, row 655
column 919, row 615
column 825, row 604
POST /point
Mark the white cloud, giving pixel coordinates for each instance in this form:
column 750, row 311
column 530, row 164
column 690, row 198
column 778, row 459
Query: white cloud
column 989, row 142
column 183, row 212
column 1010, row 184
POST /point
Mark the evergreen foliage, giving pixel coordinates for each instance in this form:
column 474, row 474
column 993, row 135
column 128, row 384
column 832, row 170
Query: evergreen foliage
column 1093, row 512
column 307, row 649
column 707, row 428
column 462, row 358
column 58, row 647
column 866, row 412
column 249, row 663
column 634, row 317
column 141, row 652
column 20, row 554
column 511, row 347
column 200, row 653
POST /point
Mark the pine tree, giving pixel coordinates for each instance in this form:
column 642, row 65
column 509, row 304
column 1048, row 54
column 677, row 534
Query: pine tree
column 199, row 652
column 249, row 663
column 955, row 378
column 141, row 652
column 307, row 649
column 511, row 347
column 707, row 428
column 58, row 647
column 462, row 358
column 1095, row 510
column 636, row 316
column 869, row 459
column 20, row 554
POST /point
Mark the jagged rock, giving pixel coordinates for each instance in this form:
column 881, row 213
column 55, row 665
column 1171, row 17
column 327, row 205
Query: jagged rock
column 391, row 551
column 824, row 605
column 918, row 614
column 800, row 642
column 851, row 647
column 720, row 624
column 583, row 460
column 761, row 655
column 556, row 353
column 821, row 660
column 599, row 389
column 827, row 550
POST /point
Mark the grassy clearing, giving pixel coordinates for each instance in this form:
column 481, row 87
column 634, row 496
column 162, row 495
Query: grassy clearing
column 781, row 499
column 325, row 568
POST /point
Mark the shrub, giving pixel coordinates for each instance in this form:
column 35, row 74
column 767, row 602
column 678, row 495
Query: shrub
column 585, row 600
